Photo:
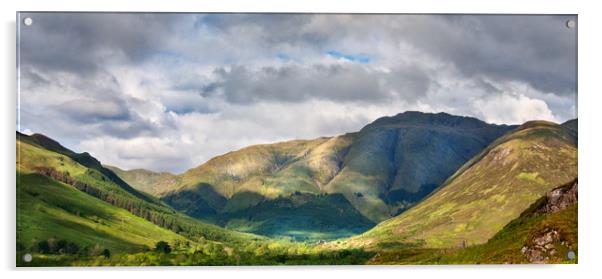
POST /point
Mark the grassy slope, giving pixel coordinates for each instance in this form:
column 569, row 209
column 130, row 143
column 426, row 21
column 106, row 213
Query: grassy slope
column 487, row 193
column 47, row 208
column 504, row 247
column 300, row 217
column 30, row 156
column 271, row 170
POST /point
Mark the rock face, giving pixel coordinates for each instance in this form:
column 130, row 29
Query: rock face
column 560, row 198
column 543, row 246
column 546, row 244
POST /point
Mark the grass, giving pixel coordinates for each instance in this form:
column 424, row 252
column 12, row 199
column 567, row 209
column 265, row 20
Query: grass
column 301, row 216
column 49, row 209
column 504, row 247
column 251, row 253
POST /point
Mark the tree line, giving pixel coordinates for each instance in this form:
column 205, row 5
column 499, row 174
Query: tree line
column 159, row 216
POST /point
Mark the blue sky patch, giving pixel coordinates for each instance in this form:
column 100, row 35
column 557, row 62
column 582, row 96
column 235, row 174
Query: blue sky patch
column 358, row 58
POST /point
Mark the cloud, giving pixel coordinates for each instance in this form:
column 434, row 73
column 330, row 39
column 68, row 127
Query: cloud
column 86, row 110
column 513, row 109
column 347, row 82
column 82, row 42
column 170, row 91
column 141, row 152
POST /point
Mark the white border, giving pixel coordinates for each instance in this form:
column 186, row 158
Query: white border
column 590, row 230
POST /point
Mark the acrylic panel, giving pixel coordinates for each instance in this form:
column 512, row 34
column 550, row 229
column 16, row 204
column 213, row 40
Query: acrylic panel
column 295, row 139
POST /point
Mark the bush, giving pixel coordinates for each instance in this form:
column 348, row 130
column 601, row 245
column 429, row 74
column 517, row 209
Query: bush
column 71, row 248
column 106, row 253
column 20, row 247
column 162, row 247
column 42, row 247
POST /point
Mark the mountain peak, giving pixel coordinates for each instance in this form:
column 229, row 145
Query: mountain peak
column 416, row 118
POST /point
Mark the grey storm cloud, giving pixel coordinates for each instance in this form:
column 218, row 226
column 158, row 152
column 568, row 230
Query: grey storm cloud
column 342, row 83
column 79, row 42
column 86, row 110
column 535, row 49
column 273, row 29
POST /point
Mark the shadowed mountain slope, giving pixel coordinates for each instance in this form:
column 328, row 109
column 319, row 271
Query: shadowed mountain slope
column 489, row 191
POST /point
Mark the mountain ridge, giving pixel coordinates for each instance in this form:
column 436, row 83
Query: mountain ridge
column 374, row 168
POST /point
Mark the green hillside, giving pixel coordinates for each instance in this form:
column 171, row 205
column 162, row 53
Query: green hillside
column 49, row 209
column 299, row 217
column 58, row 197
column 487, row 192
column 544, row 233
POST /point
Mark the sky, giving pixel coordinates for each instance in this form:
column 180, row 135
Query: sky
column 167, row 92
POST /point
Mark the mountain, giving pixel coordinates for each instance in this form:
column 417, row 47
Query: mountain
column 571, row 125
column 487, row 192
column 394, row 162
column 154, row 183
column 381, row 170
column 67, row 197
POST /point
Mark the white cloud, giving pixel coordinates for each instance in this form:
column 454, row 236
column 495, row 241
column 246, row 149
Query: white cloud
column 513, row 109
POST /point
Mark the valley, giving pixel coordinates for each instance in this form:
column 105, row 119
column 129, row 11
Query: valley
column 410, row 188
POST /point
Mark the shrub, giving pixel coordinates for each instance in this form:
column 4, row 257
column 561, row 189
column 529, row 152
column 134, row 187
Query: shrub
column 106, row 253
column 162, row 247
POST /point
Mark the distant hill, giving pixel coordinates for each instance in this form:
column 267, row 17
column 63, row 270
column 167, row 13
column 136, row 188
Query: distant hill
column 381, row 170
column 487, row 192
column 154, row 183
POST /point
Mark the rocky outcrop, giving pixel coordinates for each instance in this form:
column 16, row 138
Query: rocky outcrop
column 560, row 198
column 544, row 246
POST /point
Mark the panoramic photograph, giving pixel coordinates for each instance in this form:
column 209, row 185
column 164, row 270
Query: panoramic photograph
column 204, row 139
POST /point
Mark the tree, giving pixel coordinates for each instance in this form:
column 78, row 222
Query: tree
column 106, row 253
column 162, row 247
column 71, row 248
column 20, row 247
column 42, row 247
